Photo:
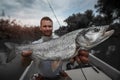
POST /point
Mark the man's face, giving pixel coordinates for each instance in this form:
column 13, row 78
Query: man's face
column 46, row 27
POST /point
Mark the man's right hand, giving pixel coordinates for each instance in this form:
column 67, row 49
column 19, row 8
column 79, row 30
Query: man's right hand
column 26, row 53
column 26, row 59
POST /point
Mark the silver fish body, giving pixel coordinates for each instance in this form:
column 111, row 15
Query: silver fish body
column 67, row 45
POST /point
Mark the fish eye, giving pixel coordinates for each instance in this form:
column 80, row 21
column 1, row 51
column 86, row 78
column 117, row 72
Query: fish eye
column 96, row 29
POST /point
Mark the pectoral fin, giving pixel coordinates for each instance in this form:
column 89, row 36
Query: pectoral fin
column 55, row 65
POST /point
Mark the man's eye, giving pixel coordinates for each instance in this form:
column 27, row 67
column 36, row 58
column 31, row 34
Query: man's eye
column 47, row 26
column 44, row 26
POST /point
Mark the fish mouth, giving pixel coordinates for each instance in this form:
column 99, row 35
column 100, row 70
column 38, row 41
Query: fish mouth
column 108, row 33
column 102, row 38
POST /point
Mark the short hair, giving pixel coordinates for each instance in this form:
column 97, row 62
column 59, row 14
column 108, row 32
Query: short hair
column 45, row 18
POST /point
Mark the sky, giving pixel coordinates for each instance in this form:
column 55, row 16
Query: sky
column 29, row 12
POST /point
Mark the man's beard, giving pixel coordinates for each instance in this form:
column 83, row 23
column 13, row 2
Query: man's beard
column 49, row 33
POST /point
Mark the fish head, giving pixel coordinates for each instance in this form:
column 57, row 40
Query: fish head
column 90, row 37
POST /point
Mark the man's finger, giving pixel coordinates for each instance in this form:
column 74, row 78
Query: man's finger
column 83, row 59
column 72, row 60
column 78, row 59
column 83, row 53
column 26, row 53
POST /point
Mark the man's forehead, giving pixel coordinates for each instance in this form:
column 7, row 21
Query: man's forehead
column 46, row 21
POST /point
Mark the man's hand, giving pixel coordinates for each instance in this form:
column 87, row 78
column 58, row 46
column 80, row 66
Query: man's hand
column 26, row 53
column 81, row 57
column 26, row 57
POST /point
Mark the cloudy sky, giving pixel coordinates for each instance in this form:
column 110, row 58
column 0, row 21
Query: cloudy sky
column 29, row 12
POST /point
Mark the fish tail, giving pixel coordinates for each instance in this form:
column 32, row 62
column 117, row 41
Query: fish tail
column 12, row 47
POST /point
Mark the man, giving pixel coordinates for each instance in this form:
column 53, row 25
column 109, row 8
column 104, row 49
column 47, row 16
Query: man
column 45, row 68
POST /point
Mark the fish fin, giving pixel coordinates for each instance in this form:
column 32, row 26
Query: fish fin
column 55, row 64
column 11, row 47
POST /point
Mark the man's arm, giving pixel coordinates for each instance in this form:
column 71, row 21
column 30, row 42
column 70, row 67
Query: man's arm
column 26, row 59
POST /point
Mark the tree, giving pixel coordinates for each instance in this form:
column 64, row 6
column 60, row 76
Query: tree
column 110, row 9
column 12, row 31
column 100, row 20
column 77, row 21
column 90, row 16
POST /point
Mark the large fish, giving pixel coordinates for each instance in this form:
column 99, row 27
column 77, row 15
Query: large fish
column 67, row 46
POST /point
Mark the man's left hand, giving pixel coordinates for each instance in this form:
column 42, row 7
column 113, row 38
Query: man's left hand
column 81, row 57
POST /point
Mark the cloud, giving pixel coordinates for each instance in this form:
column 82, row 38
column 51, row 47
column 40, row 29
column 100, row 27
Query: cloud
column 31, row 11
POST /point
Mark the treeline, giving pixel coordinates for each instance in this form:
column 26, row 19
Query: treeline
column 108, row 11
column 13, row 32
column 84, row 20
